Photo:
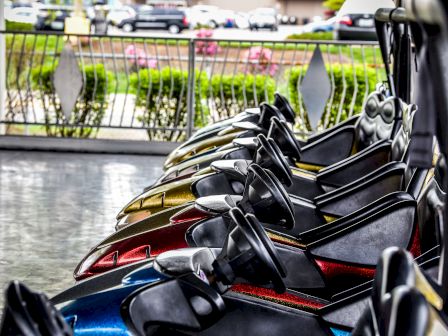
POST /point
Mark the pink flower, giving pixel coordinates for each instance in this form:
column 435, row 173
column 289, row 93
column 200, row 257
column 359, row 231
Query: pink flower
column 139, row 57
column 260, row 61
column 208, row 48
column 204, row 33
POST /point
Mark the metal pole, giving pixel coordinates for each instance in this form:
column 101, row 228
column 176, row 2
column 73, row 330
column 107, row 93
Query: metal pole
column 191, row 88
column 78, row 8
column 2, row 65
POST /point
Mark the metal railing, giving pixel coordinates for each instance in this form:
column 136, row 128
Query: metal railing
column 167, row 87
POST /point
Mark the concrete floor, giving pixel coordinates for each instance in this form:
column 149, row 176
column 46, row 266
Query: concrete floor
column 55, row 206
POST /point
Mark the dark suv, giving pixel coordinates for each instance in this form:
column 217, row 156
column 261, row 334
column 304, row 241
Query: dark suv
column 170, row 19
column 355, row 27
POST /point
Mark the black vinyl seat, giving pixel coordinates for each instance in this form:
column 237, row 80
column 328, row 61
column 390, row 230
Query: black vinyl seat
column 355, row 239
column 309, row 185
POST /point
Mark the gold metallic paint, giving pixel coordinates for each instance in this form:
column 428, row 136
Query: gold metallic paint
column 149, row 223
column 184, row 153
column 163, row 196
column 427, row 290
column 308, row 166
column 197, row 161
column 304, row 174
column 285, row 240
column 329, row 219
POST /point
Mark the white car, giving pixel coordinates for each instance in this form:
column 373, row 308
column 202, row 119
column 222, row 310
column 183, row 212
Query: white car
column 210, row 16
column 263, row 18
column 320, row 26
column 22, row 15
column 117, row 14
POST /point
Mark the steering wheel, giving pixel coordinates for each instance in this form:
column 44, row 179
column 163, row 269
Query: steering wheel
column 269, row 267
column 29, row 313
column 269, row 156
column 284, row 138
column 267, row 112
column 285, row 108
column 265, row 197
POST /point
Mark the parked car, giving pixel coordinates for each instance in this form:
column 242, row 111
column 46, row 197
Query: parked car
column 286, row 19
column 117, row 15
column 207, row 15
column 320, row 26
column 242, row 20
column 263, row 18
column 170, row 19
column 355, row 20
column 52, row 19
column 22, row 14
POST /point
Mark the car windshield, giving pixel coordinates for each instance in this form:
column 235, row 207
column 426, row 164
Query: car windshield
column 264, row 11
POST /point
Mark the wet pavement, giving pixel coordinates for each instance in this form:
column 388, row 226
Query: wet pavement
column 55, row 206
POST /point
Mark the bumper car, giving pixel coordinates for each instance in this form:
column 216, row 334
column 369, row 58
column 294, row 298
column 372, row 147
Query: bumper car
column 234, row 279
column 191, row 292
column 369, row 162
column 376, row 122
column 291, row 222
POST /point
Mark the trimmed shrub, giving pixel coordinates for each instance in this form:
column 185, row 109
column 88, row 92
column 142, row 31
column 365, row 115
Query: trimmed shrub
column 337, row 69
column 318, row 36
column 89, row 109
column 233, row 93
column 18, row 26
column 163, row 96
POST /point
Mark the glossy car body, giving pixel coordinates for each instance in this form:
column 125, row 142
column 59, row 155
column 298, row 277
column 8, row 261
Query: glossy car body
column 110, row 296
column 172, row 20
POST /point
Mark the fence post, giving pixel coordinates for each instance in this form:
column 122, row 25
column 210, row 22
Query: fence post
column 2, row 66
column 191, row 87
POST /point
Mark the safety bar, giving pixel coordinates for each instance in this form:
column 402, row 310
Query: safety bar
column 426, row 11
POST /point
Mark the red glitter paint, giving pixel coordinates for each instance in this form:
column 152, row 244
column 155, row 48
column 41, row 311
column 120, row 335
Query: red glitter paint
column 333, row 269
column 286, row 298
column 415, row 246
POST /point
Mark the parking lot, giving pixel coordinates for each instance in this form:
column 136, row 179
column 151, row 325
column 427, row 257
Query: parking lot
column 221, row 33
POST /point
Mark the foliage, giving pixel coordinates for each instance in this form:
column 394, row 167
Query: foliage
column 232, row 93
column 202, row 26
column 18, row 26
column 333, row 5
column 139, row 58
column 209, row 48
column 89, row 109
column 339, row 73
column 318, row 36
column 260, row 61
column 163, row 96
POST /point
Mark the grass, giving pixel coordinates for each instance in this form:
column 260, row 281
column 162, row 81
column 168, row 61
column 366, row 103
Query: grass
column 322, row 36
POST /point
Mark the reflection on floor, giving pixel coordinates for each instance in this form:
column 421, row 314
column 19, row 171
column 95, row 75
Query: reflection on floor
column 55, row 206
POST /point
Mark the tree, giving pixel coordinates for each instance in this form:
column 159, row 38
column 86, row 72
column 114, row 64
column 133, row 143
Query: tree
column 333, row 5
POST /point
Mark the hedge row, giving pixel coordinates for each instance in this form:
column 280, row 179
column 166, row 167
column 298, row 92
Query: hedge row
column 89, row 109
column 161, row 96
column 365, row 79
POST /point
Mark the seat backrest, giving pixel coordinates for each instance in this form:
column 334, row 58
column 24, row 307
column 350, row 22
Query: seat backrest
column 376, row 121
column 401, row 140
column 430, row 205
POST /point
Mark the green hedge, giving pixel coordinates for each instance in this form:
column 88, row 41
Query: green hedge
column 158, row 93
column 163, row 95
column 248, row 90
column 319, row 36
column 89, row 109
column 361, row 74
column 18, row 26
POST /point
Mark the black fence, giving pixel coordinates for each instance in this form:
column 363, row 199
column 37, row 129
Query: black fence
column 164, row 88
